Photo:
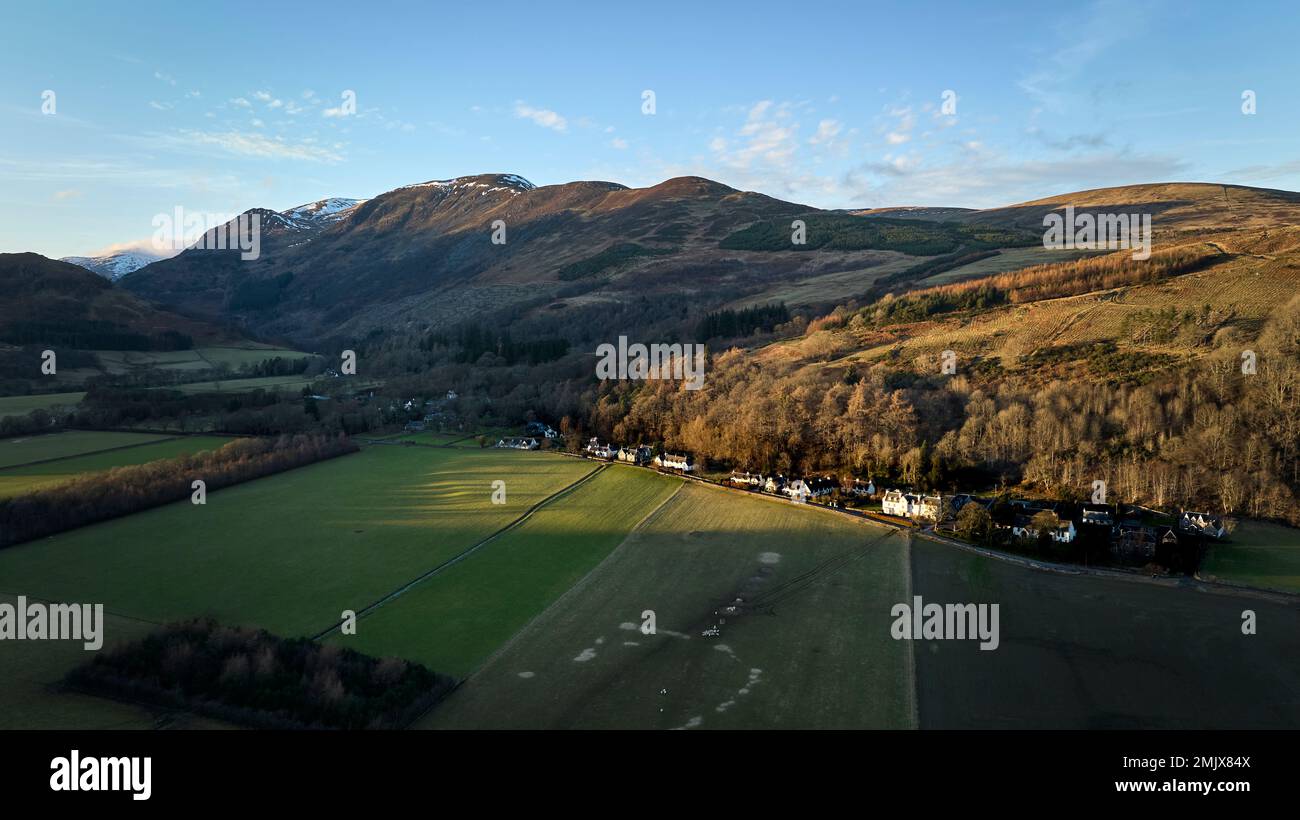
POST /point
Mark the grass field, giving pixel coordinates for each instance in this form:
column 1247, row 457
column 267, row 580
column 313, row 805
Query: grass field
column 22, row 405
column 287, row 553
column 199, row 358
column 454, row 620
column 33, row 671
column 290, row 552
column 542, row 608
column 1088, row 652
column 280, row 383
column 27, row 449
column 814, row 651
column 1258, row 554
column 20, row 479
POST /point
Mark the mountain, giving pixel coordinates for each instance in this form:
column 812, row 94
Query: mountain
column 424, row 254
column 54, row 303
column 114, row 266
column 322, row 213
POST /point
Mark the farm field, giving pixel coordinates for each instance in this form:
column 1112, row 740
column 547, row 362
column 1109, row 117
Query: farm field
column 22, row 405
column 1090, row 652
column 291, row 551
column 20, row 479
column 439, row 439
column 454, row 620
column 280, row 383
column 814, row 650
column 26, row 449
column 33, row 670
column 1259, row 554
column 199, row 358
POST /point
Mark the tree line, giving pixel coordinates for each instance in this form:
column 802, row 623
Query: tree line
column 125, row 490
column 253, row 678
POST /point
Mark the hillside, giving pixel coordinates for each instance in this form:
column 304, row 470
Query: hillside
column 1173, row 205
column 55, row 303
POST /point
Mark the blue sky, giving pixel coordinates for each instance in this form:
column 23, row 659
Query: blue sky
column 217, row 108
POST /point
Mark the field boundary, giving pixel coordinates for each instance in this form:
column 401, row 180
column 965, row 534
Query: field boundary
column 581, row 584
column 457, row 558
column 92, row 452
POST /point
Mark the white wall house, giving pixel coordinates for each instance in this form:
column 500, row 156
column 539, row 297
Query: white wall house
column 896, row 502
column 675, row 461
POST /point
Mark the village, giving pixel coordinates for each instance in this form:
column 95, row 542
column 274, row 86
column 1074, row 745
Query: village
column 1129, row 533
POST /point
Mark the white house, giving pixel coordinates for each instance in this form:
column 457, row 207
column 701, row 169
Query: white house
column 518, row 443
column 675, row 461
column 928, row 507
column 1198, row 523
column 897, row 502
column 597, row 450
column 863, row 489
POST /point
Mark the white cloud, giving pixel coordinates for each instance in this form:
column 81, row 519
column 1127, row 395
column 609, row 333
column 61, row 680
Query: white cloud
column 541, row 116
column 619, row 143
column 258, row 145
column 827, row 131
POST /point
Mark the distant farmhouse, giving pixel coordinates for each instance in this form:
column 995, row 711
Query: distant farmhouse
column 595, row 449
column 803, row 489
column 675, row 461
column 536, row 428
column 753, row 481
column 635, row 455
column 910, row 505
column 1062, row 531
column 1195, row 523
column 862, row 489
column 897, row 503
column 518, row 443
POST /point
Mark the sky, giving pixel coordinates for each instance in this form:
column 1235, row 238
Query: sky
column 217, row 108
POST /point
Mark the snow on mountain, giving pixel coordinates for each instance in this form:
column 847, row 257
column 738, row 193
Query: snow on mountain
column 322, row 212
column 513, row 183
column 113, row 266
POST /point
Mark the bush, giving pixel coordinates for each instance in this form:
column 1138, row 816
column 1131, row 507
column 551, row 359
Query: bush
column 257, row 679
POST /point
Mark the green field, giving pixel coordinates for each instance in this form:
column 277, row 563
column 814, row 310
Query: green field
column 196, row 359
column 291, row 551
column 538, row 604
column 454, row 620
column 278, row 383
column 813, row 651
column 30, row 696
column 28, row 449
column 20, row 479
column 22, row 405
column 1258, row 554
